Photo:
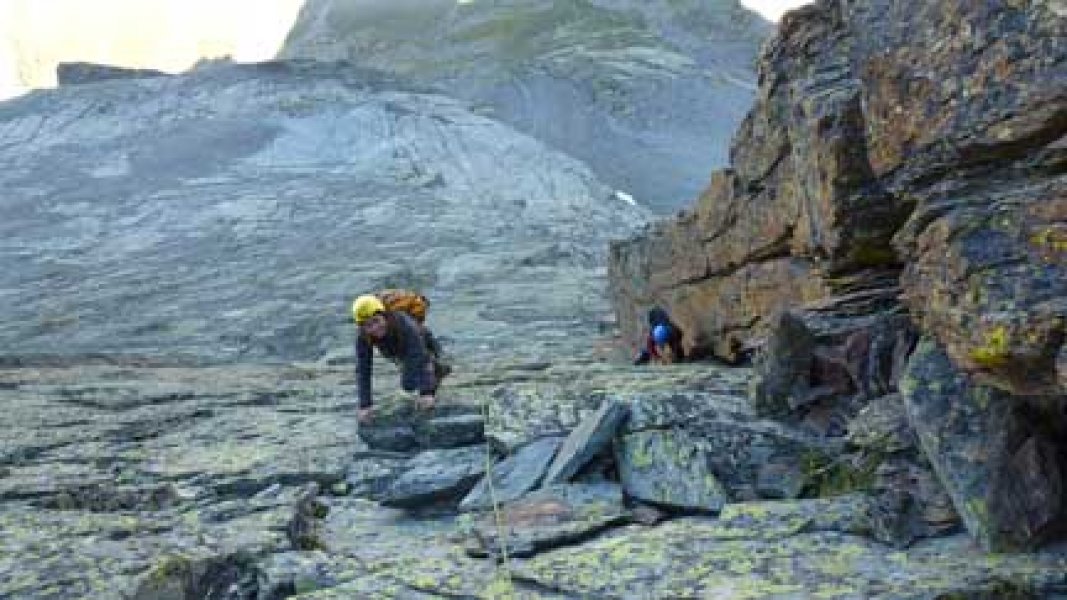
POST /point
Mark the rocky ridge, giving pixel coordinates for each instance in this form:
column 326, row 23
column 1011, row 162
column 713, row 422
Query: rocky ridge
column 231, row 214
column 645, row 93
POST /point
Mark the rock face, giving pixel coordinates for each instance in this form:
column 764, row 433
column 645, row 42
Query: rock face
column 884, row 188
column 1000, row 459
column 707, row 434
column 185, row 204
column 596, row 79
column 845, row 143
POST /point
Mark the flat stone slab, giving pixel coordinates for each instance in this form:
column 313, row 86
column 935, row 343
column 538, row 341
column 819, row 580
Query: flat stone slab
column 451, row 431
column 437, row 477
column 399, row 427
column 394, row 438
column 369, row 477
column 669, row 469
column 383, row 554
column 843, row 514
column 702, row 558
column 585, row 442
column 53, row 545
column 549, row 518
column 514, row 476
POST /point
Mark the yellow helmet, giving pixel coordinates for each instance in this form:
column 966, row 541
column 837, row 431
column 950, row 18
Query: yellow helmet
column 366, row 307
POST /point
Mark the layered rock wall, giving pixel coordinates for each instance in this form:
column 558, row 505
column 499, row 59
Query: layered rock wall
column 865, row 121
column 902, row 175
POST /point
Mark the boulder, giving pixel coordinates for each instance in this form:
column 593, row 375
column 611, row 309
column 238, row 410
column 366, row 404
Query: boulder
column 514, row 476
column 437, row 477
column 669, row 469
column 558, row 401
column 456, row 431
column 392, row 438
column 400, row 427
column 589, row 439
column 549, row 518
column 823, row 363
column 783, row 374
column 736, row 444
column 999, row 456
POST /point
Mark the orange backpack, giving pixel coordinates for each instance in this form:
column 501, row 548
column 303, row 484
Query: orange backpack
column 412, row 303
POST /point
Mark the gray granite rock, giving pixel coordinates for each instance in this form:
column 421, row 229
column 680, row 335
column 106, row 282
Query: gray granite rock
column 437, row 477
column 669, row 469
column 593, row 436
column 549, row 518
column 514, row 476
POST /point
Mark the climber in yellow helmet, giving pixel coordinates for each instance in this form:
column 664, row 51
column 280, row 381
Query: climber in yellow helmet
column 400, row 337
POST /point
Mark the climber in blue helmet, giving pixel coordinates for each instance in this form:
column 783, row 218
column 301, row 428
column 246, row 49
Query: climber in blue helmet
column 661, row 334
column 663, row 343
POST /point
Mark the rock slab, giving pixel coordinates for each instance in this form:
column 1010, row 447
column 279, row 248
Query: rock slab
column 992, row 451
column 589, row 439
column 669, row 469
column 513, row 477
column 437, row 477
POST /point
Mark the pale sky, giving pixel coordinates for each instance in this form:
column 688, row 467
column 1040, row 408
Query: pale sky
column 169, row 35
column 772, row 9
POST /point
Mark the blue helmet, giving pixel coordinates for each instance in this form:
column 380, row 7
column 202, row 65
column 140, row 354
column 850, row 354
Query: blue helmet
column 660, row 334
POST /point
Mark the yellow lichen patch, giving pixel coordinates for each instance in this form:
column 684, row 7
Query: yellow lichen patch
column 1050, row 238
column 995, row 350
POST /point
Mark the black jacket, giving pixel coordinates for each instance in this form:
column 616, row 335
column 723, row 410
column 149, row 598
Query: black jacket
column 405, row 345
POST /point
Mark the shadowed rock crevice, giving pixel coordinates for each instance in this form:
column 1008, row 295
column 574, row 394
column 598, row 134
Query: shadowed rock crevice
column 233, row 577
